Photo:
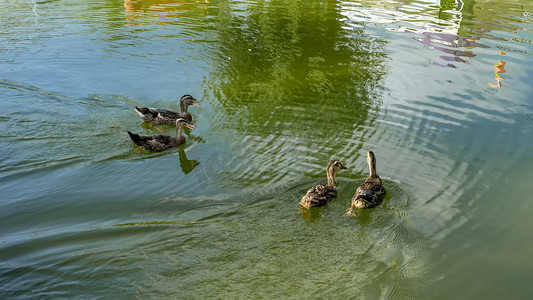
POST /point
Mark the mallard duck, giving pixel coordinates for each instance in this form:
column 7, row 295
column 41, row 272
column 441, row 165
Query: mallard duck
column 321, row 194
column 157, row 116
column 371, row 192
column 162, row 142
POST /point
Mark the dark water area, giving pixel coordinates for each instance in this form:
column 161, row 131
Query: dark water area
column 440, row 91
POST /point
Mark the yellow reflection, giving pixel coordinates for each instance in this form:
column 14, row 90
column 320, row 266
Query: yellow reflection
column 161, row 10
column 498, row 69
column 159, row 5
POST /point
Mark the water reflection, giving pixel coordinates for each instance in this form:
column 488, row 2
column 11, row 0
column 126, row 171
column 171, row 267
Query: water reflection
column 163, row 6
column 499, row 69
column 453, row 27
column 164, row 12
column 289, row 84
column 301, row 86
column 450, row 44
column 186, row 165
column 311, row 215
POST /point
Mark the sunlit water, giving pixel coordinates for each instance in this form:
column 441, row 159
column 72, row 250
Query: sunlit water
column 440, row 91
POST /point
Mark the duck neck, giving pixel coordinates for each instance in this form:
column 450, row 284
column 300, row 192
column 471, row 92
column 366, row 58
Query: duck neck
column 179, row 133
column 331, row 178
column 372, row 168
column 184, row 107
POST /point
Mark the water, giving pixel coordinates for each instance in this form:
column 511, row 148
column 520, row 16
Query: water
column 440, row 91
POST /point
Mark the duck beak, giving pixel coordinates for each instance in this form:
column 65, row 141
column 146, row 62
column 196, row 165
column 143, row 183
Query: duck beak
column 344, row 167
column 195, row 103
column 190, row 126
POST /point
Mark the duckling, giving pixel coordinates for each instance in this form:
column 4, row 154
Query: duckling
column 162, row 142
column 321, row 194
column 371, row 192
column 157, row 116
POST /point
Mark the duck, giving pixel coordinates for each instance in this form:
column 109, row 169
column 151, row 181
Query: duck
column 321, row 194
column 371, row 192
column 157, row 116
column 162, row 142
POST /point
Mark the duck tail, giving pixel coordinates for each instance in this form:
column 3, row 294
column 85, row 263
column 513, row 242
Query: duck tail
column 140, row 111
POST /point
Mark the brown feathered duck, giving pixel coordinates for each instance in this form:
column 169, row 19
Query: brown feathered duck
column 157, row 116
column 371, row 192
column 162, row 142
column 320, row 195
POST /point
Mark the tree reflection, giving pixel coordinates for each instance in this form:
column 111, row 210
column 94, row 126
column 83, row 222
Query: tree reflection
column 294, row 72
column 139, row 12
column 279, row 53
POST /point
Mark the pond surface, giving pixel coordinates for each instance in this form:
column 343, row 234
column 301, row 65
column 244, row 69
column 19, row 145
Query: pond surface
column 439, row 91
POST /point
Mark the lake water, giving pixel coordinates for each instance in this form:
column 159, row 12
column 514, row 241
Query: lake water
column 441, row 92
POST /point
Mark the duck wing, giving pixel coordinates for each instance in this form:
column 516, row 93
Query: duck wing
column 157, row 116
column 165, row 113
column 318, row 195
column 369, row 193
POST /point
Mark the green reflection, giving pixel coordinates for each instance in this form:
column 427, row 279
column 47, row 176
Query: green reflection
column 292, row 74
column 186, row 165
column 445, row 7
column 282, row 53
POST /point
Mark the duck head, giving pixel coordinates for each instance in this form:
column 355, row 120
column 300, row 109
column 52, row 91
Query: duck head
column 181, row 122
column 333, row 166
column 187, row 100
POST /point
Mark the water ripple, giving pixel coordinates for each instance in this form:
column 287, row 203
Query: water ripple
column 286, row 86
column 54, row 127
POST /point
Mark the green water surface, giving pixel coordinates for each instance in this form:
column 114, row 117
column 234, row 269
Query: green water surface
column 440, row 91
